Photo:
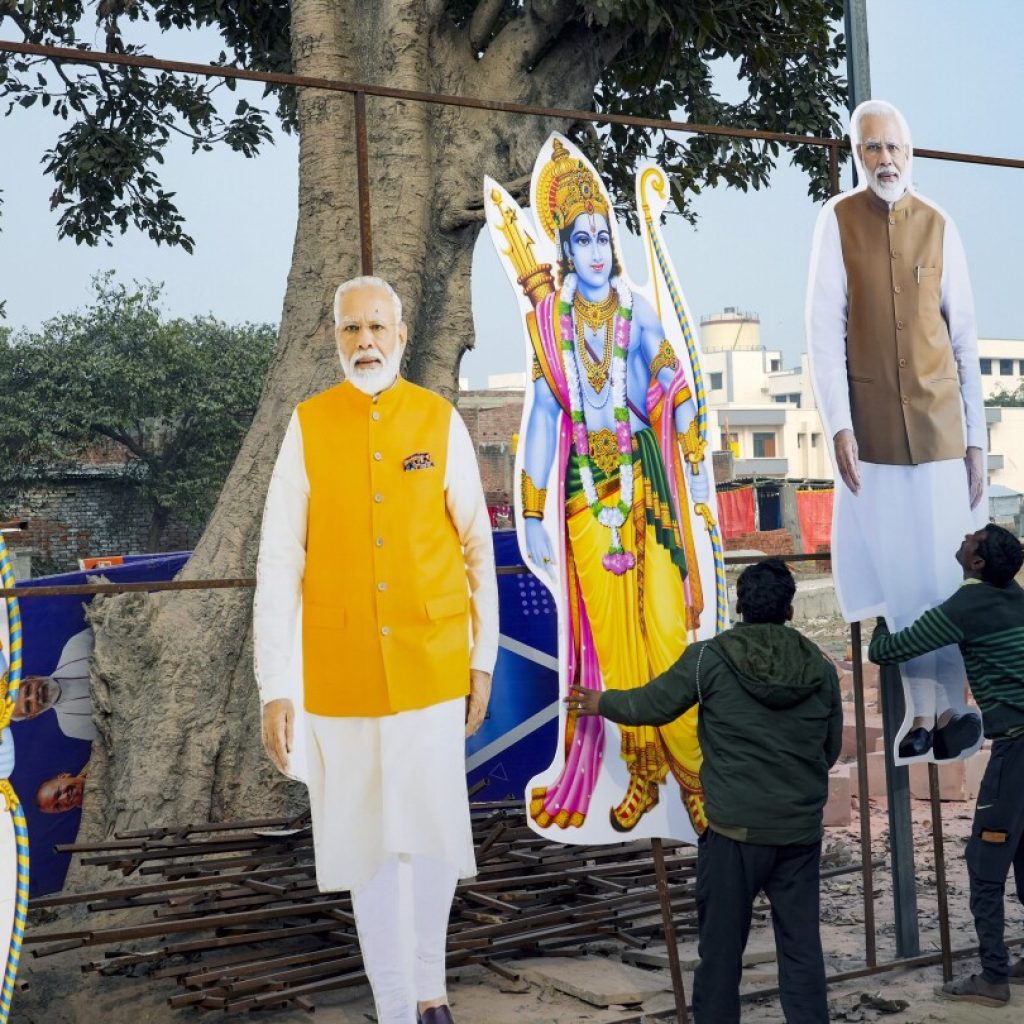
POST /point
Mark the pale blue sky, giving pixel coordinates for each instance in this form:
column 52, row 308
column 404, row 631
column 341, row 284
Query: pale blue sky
column 953, row 67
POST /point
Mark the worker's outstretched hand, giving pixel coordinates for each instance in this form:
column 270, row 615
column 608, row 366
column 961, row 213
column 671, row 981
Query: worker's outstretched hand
column 478, row 699
column 279, row 731
column 583, row 701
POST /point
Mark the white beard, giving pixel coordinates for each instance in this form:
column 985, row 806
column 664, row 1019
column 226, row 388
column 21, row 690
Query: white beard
column 372, row 382
column 890, row 193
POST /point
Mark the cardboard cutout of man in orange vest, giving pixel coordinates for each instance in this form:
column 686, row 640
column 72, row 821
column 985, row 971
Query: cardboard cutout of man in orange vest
column 376, row 537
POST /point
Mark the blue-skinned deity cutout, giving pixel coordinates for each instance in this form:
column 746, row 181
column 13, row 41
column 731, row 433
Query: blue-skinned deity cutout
column 615, row 499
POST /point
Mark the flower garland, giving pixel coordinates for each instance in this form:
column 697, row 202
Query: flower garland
column 617, row 560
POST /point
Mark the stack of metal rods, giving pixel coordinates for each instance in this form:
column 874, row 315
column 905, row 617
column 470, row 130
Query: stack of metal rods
column 231, row 910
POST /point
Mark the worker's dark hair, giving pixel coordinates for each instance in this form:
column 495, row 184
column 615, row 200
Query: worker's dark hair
column 765, row 591
column 1002, row 554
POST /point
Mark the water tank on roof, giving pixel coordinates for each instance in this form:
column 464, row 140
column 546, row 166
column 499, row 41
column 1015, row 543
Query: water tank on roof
column 732, row 330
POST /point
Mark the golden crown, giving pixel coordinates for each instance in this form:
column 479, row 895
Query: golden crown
column 566, row 188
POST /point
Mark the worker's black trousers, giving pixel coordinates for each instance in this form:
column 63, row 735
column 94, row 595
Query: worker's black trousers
column 996, row 844
column 729, row 877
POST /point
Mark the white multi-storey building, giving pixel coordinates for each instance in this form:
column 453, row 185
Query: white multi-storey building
column 767, row 415
column 764, row 414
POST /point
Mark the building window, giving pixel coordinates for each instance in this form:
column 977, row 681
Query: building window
column 799, row 440
column 774, row 365
column 716, row 382
column 814, row 440
column 986, row 367
column 764, row 445
column 731, row 442
column 1005, row 367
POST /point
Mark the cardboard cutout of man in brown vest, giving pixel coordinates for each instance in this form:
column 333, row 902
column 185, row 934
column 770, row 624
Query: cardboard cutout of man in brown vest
column 893, row 349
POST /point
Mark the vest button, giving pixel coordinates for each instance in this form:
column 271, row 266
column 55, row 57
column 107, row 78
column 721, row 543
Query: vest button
column 378, row 498
column 377, row 456
column 385, row 630
column 905, row 400
column 382, row 587
column 892, row 220
column 899, row 325
column 898, row 289
column 893, row 253
column 903, row 362
column 380, row 542
column 374, row 415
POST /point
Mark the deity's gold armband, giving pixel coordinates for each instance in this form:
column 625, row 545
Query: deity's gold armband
column 666, row 357
column 533, row 498
column 693, row 446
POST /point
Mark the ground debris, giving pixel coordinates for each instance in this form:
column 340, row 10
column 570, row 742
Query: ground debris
column 864, row 1006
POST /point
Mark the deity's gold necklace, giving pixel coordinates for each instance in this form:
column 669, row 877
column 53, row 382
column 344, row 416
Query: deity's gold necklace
column 593, row 315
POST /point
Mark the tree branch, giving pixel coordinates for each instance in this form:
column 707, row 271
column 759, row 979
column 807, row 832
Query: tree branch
column 121, row 438
column 472, row 210
column 524, row 38
column 584, row 50
column 481, row 24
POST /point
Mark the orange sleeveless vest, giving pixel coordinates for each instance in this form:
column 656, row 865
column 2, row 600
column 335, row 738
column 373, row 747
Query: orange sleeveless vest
column 385, row 599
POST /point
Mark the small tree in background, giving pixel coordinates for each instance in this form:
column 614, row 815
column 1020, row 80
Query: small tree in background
column 168, row 399
column 1000, row 396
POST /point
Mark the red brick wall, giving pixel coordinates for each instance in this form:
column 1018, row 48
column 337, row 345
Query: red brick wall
column 493, row 419
column 771, row 542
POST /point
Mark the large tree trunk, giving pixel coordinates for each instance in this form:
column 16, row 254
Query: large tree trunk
column 173, row 687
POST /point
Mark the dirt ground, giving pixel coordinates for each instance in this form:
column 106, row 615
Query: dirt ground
column 59, row 993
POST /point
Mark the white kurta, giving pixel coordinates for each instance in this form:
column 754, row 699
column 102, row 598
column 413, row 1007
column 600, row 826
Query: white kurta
column 377, row 786
column 74, row 706
column 893, row 542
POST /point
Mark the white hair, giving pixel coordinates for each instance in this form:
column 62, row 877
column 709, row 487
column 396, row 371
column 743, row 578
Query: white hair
column 880, row 108
column 366, row 282
column 877, row 108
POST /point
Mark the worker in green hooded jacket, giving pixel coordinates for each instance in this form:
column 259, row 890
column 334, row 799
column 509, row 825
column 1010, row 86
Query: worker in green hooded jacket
column 770, row 727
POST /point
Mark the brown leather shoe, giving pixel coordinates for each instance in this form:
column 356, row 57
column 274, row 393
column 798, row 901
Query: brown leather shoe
column 976, row 989
column 437, row 1015
column 1016, row 972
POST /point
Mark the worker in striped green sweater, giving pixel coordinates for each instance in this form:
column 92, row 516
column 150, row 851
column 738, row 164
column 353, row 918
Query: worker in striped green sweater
column 985, row 618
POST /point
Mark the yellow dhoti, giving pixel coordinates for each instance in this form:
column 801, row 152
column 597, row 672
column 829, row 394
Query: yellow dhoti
column 638, row 623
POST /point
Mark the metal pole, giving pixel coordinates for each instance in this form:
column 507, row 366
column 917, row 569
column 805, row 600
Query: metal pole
column 674, row 967
column 363, row 183
column 858, row 64
column 945, row 941
column 867, row 870
column 833, row 169
column 901, row 831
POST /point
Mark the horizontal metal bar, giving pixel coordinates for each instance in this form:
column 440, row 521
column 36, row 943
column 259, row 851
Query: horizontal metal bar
column 65, row 54
column 243, row 582
column 79, row 589
column 76, row 56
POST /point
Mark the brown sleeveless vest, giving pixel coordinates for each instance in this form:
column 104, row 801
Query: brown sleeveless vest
column 904, row 390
